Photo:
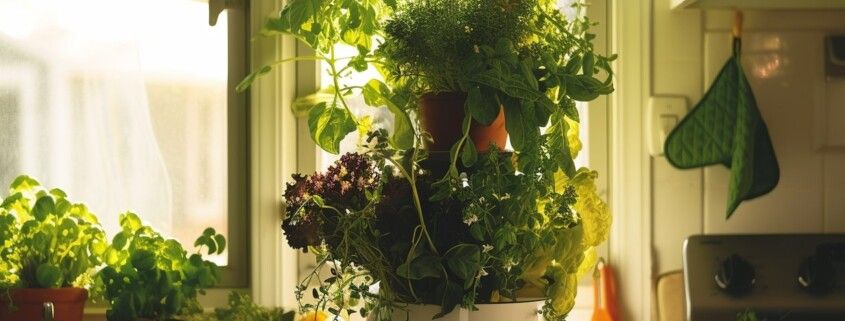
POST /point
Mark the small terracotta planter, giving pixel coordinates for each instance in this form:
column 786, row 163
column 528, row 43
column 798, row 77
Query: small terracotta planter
column 442, row 115
column 68, row 304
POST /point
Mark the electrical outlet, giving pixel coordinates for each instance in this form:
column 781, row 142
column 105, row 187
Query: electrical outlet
column 664, row 113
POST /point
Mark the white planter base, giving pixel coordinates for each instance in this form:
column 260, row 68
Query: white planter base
column 518, row 311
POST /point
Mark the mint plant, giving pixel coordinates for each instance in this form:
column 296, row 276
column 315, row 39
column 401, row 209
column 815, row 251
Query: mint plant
column 149, row 276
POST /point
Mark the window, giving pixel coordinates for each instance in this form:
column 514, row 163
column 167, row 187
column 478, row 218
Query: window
column 126, row 105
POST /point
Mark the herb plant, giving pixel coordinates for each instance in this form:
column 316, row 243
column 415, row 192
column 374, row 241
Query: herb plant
column 149, row 276
column 46, row 241
column 459, row 228
column 242, row 308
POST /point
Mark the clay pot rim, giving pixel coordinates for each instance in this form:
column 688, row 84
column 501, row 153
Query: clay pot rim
column 55, row 295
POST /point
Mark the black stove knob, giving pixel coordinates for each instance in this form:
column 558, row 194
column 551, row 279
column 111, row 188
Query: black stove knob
column 817, row 275
column 735, row 276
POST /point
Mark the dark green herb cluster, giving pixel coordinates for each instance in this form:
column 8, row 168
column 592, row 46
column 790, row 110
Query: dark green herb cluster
column 46, row 241
column 149, row 276
column 432, row 43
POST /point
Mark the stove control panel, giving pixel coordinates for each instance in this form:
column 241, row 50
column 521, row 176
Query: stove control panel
column 779, row 277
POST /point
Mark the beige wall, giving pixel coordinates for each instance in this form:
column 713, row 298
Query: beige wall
column 805, row 113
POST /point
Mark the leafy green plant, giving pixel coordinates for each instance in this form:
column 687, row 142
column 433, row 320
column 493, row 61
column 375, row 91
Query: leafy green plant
column 456, row 229
column 242, row 308
column 46, row 241
column 149, row 276
column 494, row 234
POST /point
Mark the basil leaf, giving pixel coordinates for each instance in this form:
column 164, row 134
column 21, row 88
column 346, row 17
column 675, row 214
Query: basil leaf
column 44, row 206
column 482, row 105
column 48, row 276
column 464, row 260
column 426, row 266
column 329, row 125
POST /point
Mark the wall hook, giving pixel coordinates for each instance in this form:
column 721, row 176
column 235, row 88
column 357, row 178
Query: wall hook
column 738, row 22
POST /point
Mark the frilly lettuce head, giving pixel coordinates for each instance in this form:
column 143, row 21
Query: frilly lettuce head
column 558, row 267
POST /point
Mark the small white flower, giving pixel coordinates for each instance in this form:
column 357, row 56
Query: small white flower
column 467, row 29
column 464, row 180
column 509, row 264
column 472, row 218
column 476, row 49
column 486, row 248
column 481, row 273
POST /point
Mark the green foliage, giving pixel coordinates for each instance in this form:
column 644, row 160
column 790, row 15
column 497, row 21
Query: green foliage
column 149, row 276
column 242, row 308
column 46, row 241
column 746, row 316
column 447, row 234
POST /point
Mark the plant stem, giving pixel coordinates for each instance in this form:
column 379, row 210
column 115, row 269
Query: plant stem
column 335, row 75
column 417, row 204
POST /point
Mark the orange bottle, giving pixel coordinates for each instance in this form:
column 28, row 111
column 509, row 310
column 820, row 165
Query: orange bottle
column 604, row 294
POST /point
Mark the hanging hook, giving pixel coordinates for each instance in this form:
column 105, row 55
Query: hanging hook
column 738, row 21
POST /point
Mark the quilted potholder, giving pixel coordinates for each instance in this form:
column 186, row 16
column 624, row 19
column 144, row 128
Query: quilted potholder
column 726, row 128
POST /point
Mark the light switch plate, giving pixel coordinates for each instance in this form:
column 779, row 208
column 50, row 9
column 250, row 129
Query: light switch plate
column 663, row 114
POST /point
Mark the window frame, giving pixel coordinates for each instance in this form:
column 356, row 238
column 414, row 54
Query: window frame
column 236, row 273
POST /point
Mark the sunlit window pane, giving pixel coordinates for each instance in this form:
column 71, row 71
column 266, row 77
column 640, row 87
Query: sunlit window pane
column 121, row 103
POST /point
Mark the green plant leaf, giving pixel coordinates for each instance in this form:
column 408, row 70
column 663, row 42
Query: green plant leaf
column 571, row 111
column 425, row 266
column 464, row 260
column 329, row 125
column 377, row 94
column 514, row 122
column 249, row 79
column 589, row 61
column 44, row 206
column 23, row 183
column 143, row 260
column 130, row 222
column 8, row 201
column 48, row 276
column 469, row 155
column 119, row 241
column 482, row 105
column 451, row 294
column 558, row 141
column 174, row 301
column 221, row 243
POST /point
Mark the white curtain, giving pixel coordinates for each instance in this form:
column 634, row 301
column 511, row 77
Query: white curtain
column 76, row 112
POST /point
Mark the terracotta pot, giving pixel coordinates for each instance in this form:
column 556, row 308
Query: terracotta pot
column 442, row 115
column 507, row 311
column 68, row 304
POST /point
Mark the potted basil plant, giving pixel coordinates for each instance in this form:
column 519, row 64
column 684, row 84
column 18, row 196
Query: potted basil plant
column 150, row 277
column 49, row 248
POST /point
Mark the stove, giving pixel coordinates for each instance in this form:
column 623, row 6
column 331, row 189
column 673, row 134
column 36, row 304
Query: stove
column 779, row 277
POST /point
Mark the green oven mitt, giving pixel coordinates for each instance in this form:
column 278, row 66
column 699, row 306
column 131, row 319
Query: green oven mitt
column 726, row 128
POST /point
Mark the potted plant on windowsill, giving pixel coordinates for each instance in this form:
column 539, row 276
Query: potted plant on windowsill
column 149, row 277
column 444, row 217
column 49, row 248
